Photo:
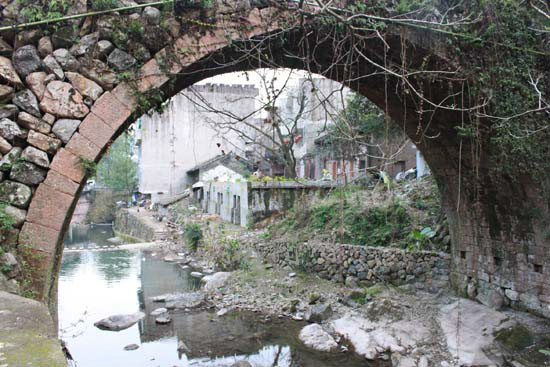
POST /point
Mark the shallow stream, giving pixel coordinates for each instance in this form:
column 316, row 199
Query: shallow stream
column 97, row 284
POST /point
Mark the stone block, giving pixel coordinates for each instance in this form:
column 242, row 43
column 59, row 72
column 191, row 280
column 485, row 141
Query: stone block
column 96, row 130
column 82, row 147
column 61, row 183
column 68, row 165
column 49, row 207
column 111, row 111
column 43, row 142
column 39, row 237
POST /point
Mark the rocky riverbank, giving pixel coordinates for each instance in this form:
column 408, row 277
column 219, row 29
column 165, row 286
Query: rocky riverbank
column 408, row 324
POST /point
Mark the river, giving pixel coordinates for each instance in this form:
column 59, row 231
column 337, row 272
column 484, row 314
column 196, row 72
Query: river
column 97, row 284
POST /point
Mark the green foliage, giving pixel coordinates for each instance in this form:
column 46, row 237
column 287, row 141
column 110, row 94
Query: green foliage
column 117, row 170
column 103, row 208
column 89, row 167
column 546, row 352
column 136, row 28
column 421, row 240
column 193, row 235
column 151, row 100
column 380, row 226
column 33, row 10
column 6, row 221
column 103, row 4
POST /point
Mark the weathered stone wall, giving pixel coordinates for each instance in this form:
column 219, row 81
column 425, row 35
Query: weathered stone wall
column 268, row 198
column 361, row 265
column 130, row 225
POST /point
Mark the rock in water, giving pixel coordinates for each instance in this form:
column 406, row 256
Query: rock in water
column 216, row 280
column 196, row 274
column 119, row 322
column 185, row 300
column 319, row 312
column 316, row 338
column 163, row 320
column 158, row 311
column 131, row 347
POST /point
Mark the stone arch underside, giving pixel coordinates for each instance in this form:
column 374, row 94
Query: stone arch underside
column 495, row 253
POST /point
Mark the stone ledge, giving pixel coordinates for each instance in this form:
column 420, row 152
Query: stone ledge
column 28, row 335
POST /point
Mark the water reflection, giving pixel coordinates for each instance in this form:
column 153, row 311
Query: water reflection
column 94, row 285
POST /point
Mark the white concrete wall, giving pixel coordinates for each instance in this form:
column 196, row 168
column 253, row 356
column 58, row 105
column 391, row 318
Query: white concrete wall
column 229, row 190
column 184, row 135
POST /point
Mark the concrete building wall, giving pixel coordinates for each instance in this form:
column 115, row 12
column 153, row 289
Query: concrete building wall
column 229, row 200
column 188, row 133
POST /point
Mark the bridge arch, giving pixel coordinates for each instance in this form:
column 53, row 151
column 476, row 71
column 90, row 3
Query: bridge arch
column 498, row 247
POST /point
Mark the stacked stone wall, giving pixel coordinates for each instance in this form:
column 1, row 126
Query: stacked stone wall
column 361, row 265
column 127, row 224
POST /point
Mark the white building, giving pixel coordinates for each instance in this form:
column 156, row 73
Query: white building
column 185, row 135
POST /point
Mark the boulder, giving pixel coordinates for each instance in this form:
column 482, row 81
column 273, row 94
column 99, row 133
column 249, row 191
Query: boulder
column 36, row 156
column 85, row 86
column 15, row 193
column 37, row 83
column 241, row 364
column 163, row 320
column 131, row 347
column 27, row 37
column 184, row 300
column 151, row 15
column 9, row 111
column 43, row 142
column 8, row 261
column 216, row 280
column 27, row 173
column 65, row 128
column 9, row 130
column 5, row 146
column 85, row 45
column 5, row 49
column 313, row 336
column 45, row 46
column 467, row 339
column 17, row 214
column 28, row 121
column 119, row 322
column 62, row 100
column 26, row 101
column 100, row 73
column 158, row 311
column 64, row 37
column 8, row 73
column 48, row 118
column 196, row 274
column 6, row 93
column 104, row 48
column 67, row 61
column 319, row 312
column 354, row 329
column 52, row 66
column 9, row 159
column 26, row 60
column 120, row 60
column 10, row 286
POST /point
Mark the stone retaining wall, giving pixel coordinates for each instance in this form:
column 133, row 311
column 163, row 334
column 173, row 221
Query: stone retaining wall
column 360, row 265
column 130, row 225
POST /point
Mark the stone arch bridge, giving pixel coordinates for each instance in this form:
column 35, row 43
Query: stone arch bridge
column 69, row 89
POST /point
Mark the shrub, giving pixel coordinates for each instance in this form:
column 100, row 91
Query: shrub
column 102, row 209
column 193, row 235
column 6, row 222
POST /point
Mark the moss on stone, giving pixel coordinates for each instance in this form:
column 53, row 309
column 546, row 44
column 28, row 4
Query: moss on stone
column 515, row 338
column 30, row 348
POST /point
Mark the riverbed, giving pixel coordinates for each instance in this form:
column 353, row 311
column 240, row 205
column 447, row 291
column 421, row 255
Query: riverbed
column 97, row 284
